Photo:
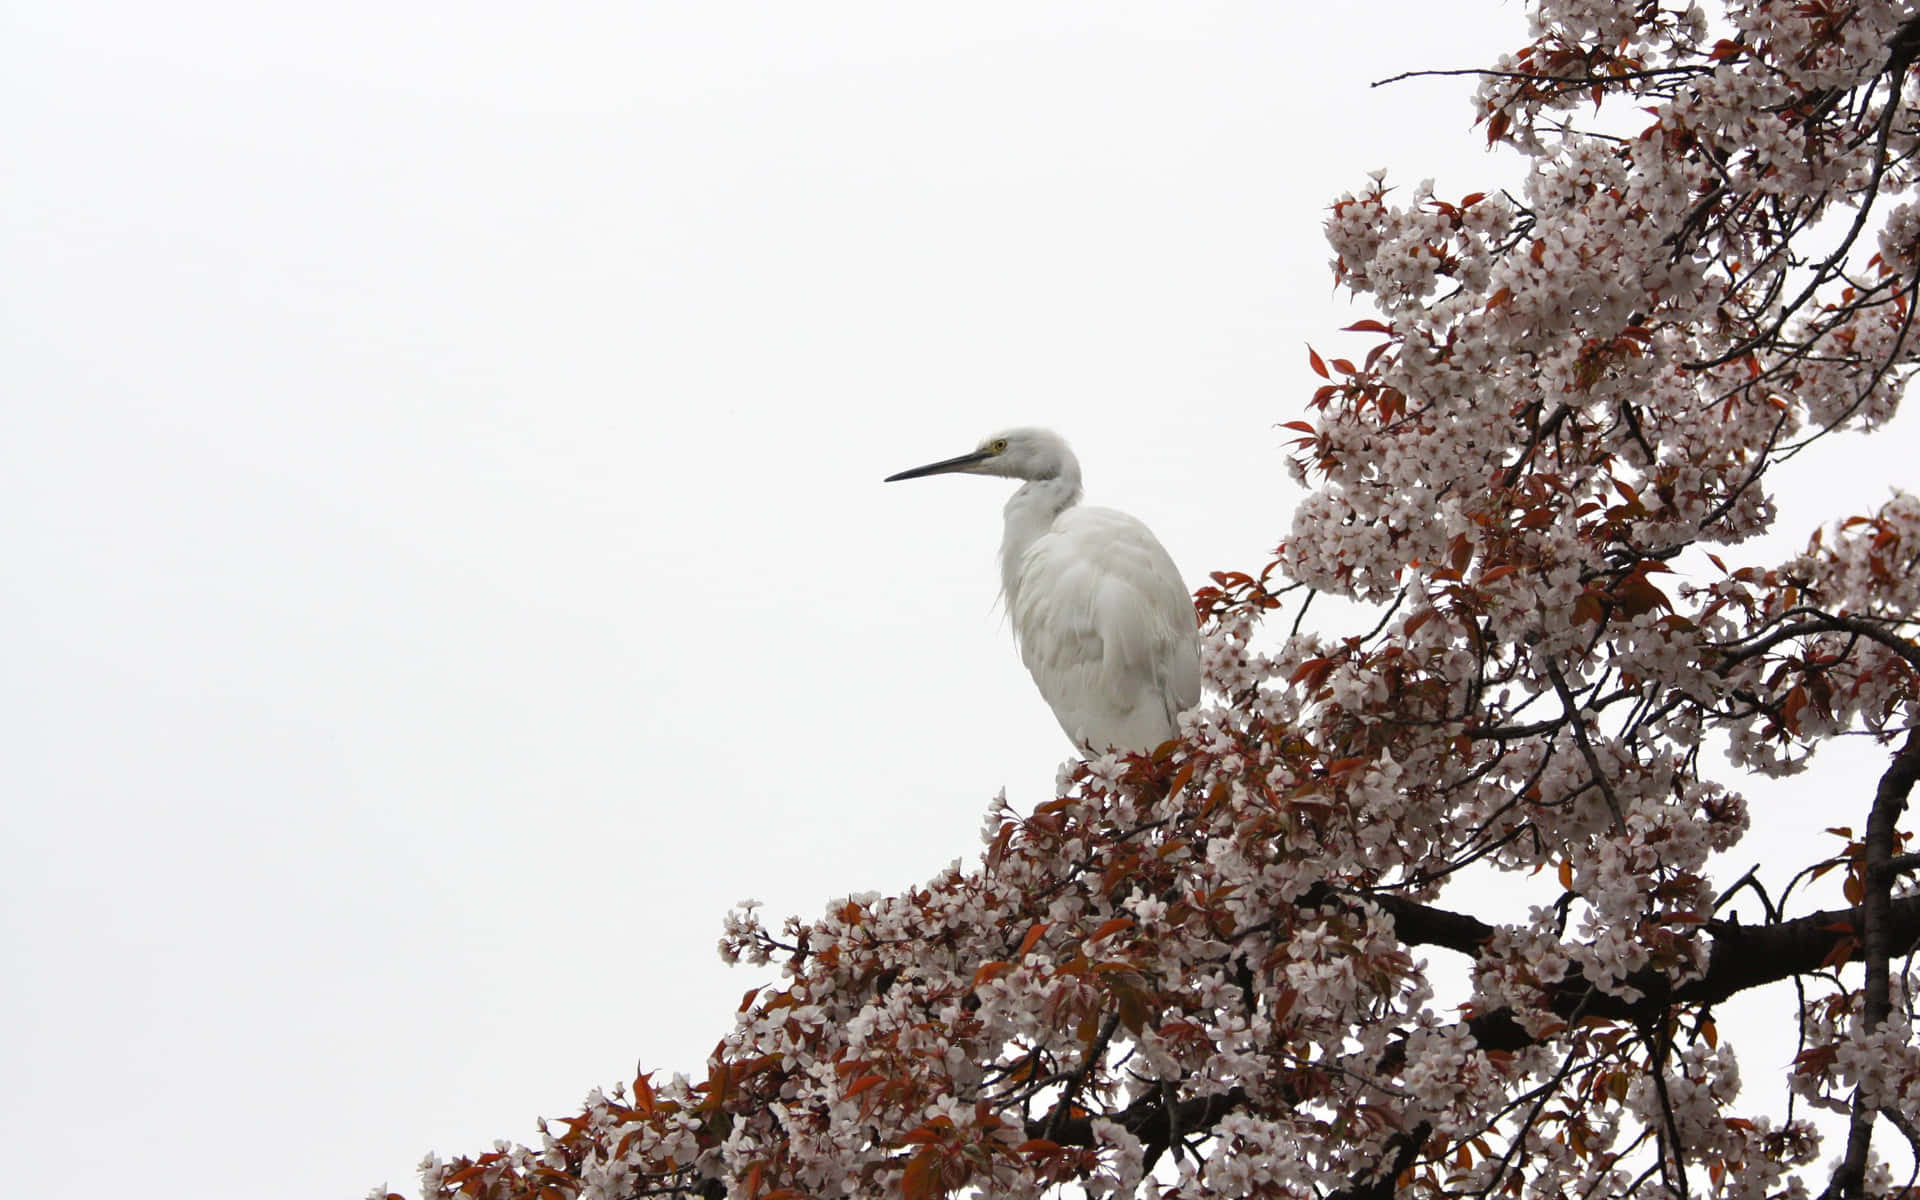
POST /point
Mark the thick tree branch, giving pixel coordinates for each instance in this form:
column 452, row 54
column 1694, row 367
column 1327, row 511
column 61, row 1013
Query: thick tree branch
column 1741, row 958
column 1877, row 942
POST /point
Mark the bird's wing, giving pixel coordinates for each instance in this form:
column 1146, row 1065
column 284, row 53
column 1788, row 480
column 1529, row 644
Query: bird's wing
column 1106, row 627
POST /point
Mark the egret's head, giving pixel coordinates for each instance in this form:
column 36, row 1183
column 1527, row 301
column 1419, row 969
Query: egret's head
column 1015, row 454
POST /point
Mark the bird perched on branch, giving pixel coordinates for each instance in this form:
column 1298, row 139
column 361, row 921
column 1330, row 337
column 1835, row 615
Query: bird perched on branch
column 1103, row 621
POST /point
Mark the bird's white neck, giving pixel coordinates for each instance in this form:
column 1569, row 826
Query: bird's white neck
column 1029, row 514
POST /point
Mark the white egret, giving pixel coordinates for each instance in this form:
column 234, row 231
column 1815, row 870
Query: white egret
column 1102, row 619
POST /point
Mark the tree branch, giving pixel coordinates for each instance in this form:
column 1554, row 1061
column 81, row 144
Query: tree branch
column 1877, row 938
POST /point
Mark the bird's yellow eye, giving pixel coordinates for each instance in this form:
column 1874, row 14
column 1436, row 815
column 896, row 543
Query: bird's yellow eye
column 998, row 445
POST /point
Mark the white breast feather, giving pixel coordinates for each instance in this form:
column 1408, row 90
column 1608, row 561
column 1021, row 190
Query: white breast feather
column 1105, row 625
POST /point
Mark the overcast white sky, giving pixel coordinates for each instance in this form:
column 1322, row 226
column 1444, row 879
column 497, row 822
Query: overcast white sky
column 446, row 562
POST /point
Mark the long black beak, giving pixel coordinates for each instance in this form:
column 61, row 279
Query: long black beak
column 940, row 468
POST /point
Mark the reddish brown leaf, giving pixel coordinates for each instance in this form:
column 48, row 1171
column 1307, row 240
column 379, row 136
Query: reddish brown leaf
column 1031, row 940
column 921, row 1179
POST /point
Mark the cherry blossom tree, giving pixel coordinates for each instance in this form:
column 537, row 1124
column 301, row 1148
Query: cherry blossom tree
column 1215, row 970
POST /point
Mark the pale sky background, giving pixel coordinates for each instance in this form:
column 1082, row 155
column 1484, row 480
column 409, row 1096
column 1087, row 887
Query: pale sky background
column 447, row 564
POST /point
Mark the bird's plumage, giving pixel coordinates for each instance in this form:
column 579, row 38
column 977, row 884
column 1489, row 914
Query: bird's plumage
column 1103, row 621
